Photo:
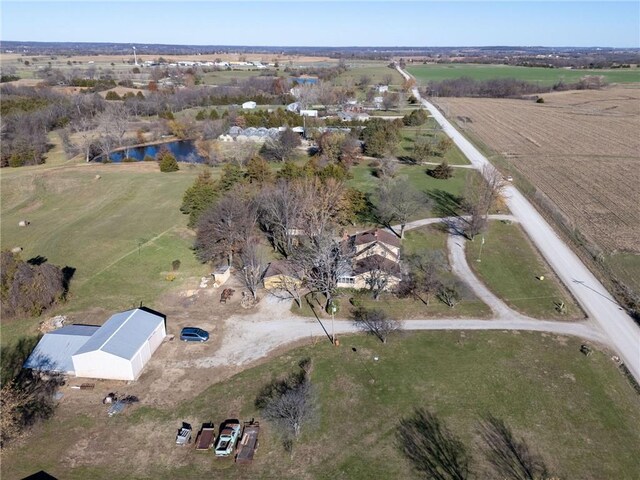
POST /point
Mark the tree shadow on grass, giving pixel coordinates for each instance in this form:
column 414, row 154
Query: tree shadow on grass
column 67, row 274
column 37, row 260
column 432, row 448
column 445, row 204
column 13, row 357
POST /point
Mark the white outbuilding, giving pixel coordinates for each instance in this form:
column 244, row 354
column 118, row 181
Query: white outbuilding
column 54, row 350
column 249, row 105
column 121, row 347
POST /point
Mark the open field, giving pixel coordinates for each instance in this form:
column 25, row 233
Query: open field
column 377, row 71
column 544, row 76
column 510, row 266
column 580, row 149
column 578, row 412
column 120, row 232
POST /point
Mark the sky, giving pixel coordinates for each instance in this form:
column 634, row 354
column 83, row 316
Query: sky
column 326, row 23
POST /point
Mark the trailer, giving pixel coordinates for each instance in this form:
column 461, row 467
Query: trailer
column 249, row 442
column 206, row 437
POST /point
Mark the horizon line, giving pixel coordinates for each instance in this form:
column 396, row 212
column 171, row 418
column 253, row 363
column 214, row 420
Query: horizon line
column 314, row 46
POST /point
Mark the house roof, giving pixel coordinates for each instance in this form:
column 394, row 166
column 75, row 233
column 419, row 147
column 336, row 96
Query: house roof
column 279, row 267
column 123, row 334
column 373, row 262
column 54, row 350
column 388, row 252
column 376, row 235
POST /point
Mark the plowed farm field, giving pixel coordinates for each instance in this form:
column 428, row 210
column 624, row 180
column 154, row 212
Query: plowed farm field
column 580, row 148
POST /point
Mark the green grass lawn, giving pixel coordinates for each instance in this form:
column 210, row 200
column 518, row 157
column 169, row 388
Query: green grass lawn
column 120, row 232
column 543, row 76
column 441, row 196
column 579, row 413
column 510, row 266
column 410, row 135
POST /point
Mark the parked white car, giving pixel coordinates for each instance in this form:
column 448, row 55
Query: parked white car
column 228, row 437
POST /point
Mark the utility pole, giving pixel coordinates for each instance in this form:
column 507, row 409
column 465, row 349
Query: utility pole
column 480, row 252
column 333, row 309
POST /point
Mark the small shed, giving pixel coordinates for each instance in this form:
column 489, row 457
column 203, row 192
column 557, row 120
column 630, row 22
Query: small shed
column 309, row 113
column 221, row 274
column 54, row 350
column 121, row 347
column 249, row 105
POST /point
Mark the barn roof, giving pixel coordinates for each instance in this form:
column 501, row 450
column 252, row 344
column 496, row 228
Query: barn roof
column 53, row 352
column 123, row 334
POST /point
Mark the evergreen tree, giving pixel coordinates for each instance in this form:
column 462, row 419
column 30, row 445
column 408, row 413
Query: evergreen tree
column 199, row 196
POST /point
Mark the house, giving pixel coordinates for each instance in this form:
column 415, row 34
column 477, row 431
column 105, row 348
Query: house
column 279, row 273
column 309, row 113
column 378, row 242
column 362, row 270
column 373, row 251
column 383, row 88
column 249, row 105
column 117, row 350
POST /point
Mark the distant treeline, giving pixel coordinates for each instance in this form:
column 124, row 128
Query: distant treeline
column 504, row 87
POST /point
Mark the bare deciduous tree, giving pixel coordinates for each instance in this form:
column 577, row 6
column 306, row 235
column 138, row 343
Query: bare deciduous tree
column 112, row 126
column 322, row 261
column 288, row 286
column 390, row 100
column 12, row 400
column 251, row 265
column 281, row 214
column 423, row 278
column 377, row 273
column 449, row 292
column 376, row 322
column 223, row 229
column 292, row 409
column 322, row 204
column 510, row 457
column 282, row 147
column 85, row 130
column 397, row 201
column 433, row 450
column 480, row 194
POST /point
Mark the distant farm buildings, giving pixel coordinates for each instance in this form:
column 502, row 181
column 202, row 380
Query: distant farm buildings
column 251, row 134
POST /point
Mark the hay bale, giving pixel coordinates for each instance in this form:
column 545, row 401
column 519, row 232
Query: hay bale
column 24, row 223
column 98, row 177
column 16, row 249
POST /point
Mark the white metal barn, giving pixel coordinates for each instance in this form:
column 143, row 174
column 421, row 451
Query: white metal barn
column 121, row 347
column 54, row 350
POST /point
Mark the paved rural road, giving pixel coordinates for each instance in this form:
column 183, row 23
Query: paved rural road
column 599, row 305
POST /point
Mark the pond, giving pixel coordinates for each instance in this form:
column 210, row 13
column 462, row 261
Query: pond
column 183, row 150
